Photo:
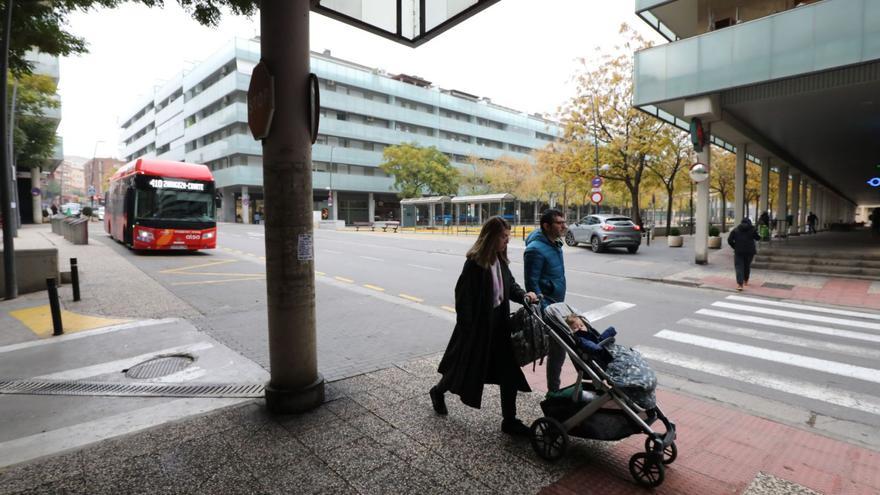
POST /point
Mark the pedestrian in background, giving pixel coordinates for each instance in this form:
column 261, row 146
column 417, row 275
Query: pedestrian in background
column 479, row 351
column 742, row 240
column 812, row 219
column 545, row 276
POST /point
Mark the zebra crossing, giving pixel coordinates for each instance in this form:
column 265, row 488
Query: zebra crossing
column 821, row 353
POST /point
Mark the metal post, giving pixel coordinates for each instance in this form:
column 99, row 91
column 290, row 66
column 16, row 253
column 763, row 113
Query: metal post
column 295, row 384
column 74, row 278
column 54, row 306
column 701, row 220
column 9, row 280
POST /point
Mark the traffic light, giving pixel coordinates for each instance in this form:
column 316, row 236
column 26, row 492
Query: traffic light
column 698, row 136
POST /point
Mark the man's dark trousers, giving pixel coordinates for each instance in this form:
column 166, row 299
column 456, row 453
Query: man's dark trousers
column 743, row 265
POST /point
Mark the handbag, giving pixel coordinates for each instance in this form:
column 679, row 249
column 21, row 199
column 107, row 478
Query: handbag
column 528, row 337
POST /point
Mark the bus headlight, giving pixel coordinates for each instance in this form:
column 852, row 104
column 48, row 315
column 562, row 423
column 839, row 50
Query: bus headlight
column 208, row 235
column 145, row 235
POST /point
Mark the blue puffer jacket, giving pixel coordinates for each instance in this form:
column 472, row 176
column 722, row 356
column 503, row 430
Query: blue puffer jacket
column 545, row 270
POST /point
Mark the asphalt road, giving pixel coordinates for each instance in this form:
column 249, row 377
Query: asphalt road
column 384, row 298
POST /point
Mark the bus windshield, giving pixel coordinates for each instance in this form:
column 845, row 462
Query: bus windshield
column 165, row 204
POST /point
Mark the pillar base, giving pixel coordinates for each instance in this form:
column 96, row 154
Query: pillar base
column 290, row 401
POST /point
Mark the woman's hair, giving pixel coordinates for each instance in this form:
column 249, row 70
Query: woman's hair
column 483, row 251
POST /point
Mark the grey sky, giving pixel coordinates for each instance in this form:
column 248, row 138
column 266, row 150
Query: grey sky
column 519, row 53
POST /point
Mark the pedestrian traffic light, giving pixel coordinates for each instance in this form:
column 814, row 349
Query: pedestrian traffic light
column 698, row 136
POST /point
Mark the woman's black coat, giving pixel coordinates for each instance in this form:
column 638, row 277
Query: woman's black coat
column 742, row 239
column 467, row 359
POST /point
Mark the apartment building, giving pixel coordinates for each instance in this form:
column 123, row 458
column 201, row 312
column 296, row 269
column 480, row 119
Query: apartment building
column 791, row 85
column 201, row 116
column 96, row 176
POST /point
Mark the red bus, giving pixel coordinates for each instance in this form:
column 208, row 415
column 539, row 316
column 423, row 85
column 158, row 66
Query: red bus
column 157, row 204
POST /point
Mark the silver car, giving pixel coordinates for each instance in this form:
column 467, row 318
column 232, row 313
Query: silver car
column 603, row 231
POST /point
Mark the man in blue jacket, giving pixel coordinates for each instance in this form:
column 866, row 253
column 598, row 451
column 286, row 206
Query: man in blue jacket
column 545, row 276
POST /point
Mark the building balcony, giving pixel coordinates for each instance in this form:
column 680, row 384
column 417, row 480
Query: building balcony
column 825, row 35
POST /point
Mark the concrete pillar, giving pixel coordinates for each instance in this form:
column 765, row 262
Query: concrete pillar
column 36, row 201
column 227, row 205
column 795, row 202
column 371, row 207
column 295, row 384
column 782, row 200
column 802, row 221
column 245, row 205
column 764, row 201
column 739, row 185
column 701, row 213
column 431, row 215
column 334, row 210
column 479, row 209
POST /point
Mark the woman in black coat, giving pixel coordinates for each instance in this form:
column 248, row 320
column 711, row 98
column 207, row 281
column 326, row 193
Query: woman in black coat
column 742, row 240
column 479, row 351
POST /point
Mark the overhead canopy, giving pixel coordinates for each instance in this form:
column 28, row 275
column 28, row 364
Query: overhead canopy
column 430, row 200
column 484, row 198
column 410, row 22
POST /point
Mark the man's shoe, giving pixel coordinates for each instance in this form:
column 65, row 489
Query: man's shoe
column 739, row 288
column 438, row 401
column 515, row 427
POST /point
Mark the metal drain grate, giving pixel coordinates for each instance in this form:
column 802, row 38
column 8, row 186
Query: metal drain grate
column 160, row 366
column 772, row 285
column 214, row 390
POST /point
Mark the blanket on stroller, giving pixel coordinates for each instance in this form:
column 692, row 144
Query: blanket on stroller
column 629, row 371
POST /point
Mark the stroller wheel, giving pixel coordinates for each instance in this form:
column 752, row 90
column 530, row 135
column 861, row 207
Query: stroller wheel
column 549, row 439
column 669, row 453
column 646, row 469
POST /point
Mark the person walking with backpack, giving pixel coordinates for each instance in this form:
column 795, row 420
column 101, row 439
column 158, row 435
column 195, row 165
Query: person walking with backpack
column 479, row 351
column 545, row 276
column 742, row 240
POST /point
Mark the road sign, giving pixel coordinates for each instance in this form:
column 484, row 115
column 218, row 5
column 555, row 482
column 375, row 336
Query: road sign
column 596, row 189
column 596, row 182
column 596, row 197
column 35, row 192
column 261, row 101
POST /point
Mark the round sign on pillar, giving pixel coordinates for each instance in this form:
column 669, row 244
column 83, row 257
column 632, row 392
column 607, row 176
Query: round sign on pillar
column 596, row 182
column 699, row 172
column 36, row 192
column 261, row 101
column 596, row 197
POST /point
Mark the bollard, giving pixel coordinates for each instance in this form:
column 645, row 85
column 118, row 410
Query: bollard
column 74, row 278
column 52, row 287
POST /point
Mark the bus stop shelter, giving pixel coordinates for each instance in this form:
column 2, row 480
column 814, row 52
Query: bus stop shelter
column 477, row 202
column 409, row 209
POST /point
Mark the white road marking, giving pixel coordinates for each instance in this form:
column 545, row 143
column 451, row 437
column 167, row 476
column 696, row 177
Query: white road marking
column 121, row 364
column 851, row 400
column 88, row 333
column 822, row 345
column 568, row 293
column 330, row 251
column 804, row 327
column 817, row 309
column 424, row 308
column 607, row 310
column 798, row 316
column 425, row 267
column 371, row 258
column 78, row 435
column 825, row 366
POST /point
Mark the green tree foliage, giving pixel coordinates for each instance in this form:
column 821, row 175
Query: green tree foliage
column 667, row 166
column 34, row 136
column 419, row 171
column 41, row 25
column 722, row 179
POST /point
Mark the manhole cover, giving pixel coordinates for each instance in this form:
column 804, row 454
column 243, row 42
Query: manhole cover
column 773, row 285
column 159, row 366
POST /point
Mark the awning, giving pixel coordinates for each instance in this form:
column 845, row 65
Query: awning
column 484, row 198
column 430, row 200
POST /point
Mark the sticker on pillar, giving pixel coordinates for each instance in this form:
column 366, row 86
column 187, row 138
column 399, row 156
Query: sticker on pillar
column 304, row 250
column 874, row 182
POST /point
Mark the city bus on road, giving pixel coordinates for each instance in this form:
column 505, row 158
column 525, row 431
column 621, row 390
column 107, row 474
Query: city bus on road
column 158, row 204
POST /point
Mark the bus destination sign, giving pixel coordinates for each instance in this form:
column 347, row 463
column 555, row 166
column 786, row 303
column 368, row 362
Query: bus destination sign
column 177, row 184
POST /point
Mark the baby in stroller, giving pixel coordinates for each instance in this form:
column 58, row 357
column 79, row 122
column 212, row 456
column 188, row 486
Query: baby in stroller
column 591, row 342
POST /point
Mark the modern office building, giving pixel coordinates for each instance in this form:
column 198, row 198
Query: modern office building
column 201, row 116
column 30, row 183
column 793, row 85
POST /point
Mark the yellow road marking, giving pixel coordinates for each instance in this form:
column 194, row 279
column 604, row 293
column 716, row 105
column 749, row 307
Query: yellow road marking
column 221, row 274
column 262, row 258
column 320, row 273
column 202, row 282
column 448, row 308
column 411, row 298
column 374, row 287
column 213, row 263
column 343, row 279
column 39, row 320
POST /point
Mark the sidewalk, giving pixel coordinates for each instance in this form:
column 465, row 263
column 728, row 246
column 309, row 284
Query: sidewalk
column 376, row 433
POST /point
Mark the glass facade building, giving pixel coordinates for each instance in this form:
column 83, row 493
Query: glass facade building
column 201, row 116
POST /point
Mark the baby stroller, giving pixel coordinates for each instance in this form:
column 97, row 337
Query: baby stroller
column 607, row 402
